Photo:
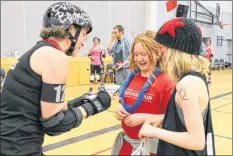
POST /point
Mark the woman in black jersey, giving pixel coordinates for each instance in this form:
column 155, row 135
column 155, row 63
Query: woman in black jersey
column 187, row 125
column 33, row 93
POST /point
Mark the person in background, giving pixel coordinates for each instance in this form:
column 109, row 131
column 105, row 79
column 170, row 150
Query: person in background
column 209, row 56
column 112, row 41
column 202, row 49
column 96, row 54
column 120, row 53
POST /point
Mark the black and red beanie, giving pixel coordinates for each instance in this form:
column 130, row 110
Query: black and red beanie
column 181, row 34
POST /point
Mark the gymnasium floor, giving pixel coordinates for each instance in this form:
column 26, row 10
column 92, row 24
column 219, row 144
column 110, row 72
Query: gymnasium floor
column 96, row 134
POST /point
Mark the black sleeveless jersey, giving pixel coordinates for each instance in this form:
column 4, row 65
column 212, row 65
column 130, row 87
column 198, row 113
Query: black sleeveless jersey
column 21, row 131
column 172, row 122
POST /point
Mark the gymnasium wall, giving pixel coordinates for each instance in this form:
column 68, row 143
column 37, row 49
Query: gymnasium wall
column 21, row 21
column 158, row 15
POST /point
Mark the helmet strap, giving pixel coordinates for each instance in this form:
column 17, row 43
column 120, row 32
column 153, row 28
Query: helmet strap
column 73, row 40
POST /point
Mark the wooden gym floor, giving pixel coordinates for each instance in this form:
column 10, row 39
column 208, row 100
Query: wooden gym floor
column 96, row 134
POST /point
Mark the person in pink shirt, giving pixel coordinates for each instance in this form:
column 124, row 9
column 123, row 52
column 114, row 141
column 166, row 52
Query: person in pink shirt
column 208, row 56
column 96, row 54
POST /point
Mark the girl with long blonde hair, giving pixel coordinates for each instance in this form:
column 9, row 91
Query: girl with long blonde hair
column 144, row 95
column 187, row 125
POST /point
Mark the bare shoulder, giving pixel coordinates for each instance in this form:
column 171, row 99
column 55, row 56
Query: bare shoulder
column 49, row 55
column 191, row 85
column 49, row 60
column 191, row 81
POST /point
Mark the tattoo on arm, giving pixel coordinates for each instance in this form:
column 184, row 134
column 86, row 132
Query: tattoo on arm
column 182, row 93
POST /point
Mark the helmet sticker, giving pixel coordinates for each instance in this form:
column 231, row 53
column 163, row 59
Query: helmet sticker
column 65, row 12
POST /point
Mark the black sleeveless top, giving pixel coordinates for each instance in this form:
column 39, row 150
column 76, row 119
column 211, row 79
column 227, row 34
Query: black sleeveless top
column 172, row 122
column 21, row 131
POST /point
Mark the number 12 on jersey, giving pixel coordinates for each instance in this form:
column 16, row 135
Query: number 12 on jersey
column 60, row 93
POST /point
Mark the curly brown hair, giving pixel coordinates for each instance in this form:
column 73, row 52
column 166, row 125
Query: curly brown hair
column 53, row 32
column 151, row 46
